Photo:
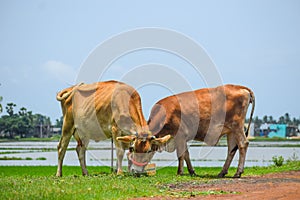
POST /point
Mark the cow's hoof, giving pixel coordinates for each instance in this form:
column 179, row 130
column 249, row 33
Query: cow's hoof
column 179, row 173
column 237, row 175
column 58, row 174
column 193, row 173
column 85, row 173
column 120, row 173
column 221, row 175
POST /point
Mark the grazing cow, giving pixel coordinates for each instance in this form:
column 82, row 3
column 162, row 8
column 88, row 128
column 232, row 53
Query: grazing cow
column 202, row 115
column 99, row 111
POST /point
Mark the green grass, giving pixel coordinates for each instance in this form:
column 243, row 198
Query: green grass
column 39, row 182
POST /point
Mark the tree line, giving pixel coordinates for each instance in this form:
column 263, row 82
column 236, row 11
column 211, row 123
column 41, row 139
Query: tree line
column 284, row 119
column 24, row 123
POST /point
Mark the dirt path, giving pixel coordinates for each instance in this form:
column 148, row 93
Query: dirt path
column 284, row 185
column 272, row 186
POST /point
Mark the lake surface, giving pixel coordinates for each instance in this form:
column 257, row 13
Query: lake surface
column 99, row 154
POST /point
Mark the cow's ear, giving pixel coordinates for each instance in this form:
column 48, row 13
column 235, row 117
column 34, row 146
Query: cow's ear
column 126, row 139
column 162, row 140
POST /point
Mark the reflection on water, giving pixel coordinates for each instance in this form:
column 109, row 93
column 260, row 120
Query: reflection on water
column 99, row 154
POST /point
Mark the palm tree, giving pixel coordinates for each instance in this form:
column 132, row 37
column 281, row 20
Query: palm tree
column 10, row 108
column 287, row 118
column 281, row 120
column 265, row 119
column 271, row 120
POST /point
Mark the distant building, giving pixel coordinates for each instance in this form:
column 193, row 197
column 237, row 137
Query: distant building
column 45, row 131
column 278, row 130
column 56, row 131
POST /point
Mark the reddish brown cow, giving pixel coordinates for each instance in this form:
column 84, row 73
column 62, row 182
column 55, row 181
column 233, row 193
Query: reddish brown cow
column 203, row 115
column 99, row 111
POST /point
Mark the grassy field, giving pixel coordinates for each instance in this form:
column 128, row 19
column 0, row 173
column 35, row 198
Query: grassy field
column 39, row 182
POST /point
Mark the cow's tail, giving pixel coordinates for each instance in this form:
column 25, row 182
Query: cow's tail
column 252, row 101
column 64, row 94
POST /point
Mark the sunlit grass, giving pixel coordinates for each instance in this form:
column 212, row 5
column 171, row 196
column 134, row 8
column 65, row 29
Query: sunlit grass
column 39, row 182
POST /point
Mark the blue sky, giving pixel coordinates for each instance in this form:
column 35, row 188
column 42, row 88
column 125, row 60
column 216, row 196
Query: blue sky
column 253, row 43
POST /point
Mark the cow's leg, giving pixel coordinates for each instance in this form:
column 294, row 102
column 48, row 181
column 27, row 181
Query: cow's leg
column 180, row 165
column 232, row 148
column 119, row 148
column 81, row 152
column 181, row 148
column 129, row 165
column 120, row 155
column 243, row 145
column 188, row 163
column 81, row 149
column 67, row 133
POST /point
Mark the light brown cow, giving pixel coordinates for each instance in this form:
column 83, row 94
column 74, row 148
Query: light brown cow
column 99, row 111
column 203, row 115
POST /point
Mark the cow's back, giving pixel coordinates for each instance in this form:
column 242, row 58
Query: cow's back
column 95, row 107
column 200, row 112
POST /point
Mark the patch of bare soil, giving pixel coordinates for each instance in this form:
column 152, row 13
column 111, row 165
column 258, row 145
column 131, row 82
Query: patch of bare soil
column 271, row 186
column 284, row 185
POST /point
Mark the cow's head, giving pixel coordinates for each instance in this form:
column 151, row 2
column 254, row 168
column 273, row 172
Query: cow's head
column 142, row 148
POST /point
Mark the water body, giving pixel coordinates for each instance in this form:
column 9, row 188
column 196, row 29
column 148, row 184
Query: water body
column 99, row 154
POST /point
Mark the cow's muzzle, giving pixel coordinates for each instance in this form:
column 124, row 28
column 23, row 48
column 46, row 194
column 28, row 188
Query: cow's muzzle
column 136, row 163
column 135, row 166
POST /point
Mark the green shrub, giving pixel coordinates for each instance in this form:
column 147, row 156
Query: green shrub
column 278, row 161
column 41, row 158
column 10, row 158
